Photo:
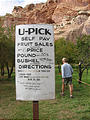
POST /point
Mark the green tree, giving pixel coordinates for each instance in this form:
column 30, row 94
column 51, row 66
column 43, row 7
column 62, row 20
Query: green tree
column 3, row 49
column 66, row 49
column 6, row 50
column 83, row 47
column 10, row 51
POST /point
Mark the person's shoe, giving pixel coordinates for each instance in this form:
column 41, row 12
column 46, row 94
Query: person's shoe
column 62, row 94
column 71, row 96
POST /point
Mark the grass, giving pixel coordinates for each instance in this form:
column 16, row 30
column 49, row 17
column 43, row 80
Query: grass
column 62, row 108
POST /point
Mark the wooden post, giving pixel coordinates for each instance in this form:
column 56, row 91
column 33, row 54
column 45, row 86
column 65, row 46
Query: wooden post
column 35, row 110
column 80, row 73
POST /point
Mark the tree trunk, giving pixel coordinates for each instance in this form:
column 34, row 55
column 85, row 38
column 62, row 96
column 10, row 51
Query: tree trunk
column 2, row 69
column 9, row 71
column 80, row 73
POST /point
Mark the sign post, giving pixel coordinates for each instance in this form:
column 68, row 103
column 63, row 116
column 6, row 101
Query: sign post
column 34, row 64
column 35, row 110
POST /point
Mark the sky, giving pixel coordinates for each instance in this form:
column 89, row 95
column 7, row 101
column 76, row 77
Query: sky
column 6, row 6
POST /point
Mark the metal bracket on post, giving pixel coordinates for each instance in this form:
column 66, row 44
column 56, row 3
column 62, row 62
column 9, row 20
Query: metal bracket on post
column 35, row 110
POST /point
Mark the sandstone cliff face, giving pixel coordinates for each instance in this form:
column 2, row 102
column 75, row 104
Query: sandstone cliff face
column 74, row 28
column 69, row 17
column 43, row 15
column 63, row 10
column 39, row 13
column 86, row 29
column 73, row 2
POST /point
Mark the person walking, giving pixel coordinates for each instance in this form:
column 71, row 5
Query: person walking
column 67, row 72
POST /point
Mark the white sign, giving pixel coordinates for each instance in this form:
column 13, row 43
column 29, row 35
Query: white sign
column 35, row 73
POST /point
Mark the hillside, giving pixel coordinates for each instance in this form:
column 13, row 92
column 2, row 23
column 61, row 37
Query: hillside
column 71, row 18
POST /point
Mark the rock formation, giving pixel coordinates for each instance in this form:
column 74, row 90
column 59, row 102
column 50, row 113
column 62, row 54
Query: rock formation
column 69, row 17
column 86, row 28
column 71, row 1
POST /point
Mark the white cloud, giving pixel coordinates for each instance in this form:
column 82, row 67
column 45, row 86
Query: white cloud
column 6, row 6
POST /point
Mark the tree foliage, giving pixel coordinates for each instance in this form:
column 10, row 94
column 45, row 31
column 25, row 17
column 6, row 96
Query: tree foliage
column 6, row 50
column 66, row 49
column 73, row 52
column 83, row 46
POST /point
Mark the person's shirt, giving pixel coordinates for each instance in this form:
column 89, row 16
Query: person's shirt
column 66, row 70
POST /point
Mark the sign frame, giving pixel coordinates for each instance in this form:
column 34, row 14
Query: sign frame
column 45, row 30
